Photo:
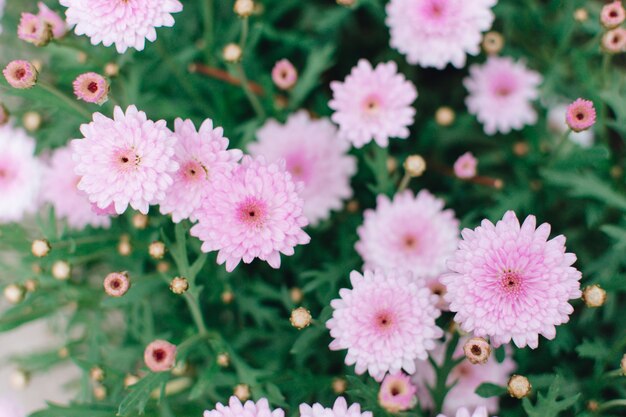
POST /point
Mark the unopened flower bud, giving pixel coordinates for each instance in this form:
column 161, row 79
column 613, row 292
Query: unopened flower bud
column 284, row 74
column 347, row 3
column 160, row 356
column 96, row 374
column 61, row 270
column 111, row 69
column 19, row 379
column 339, row 386
column 124, row 247
column 20, row 74
column 14, row 293
column 31, row 285
column 518, row 386
column 593, row 406
column 581, row 15
column 232, row 53
column 242, row 391
column 612, row 14
column 244, row 8
column 521, row 148
column 493, row 42
column 296, row 295
column 140, row 221
column 392, row 164
column 444, row 116
column 227, row 297
column 100, row 392
column 130, row 380
column 40, row 248
column 477, row 350
column 594, row 296
column 179, row 285
column 300, row 318
column 415, row 165
column 223, row 359
column 32, row 121
column 116, row 284
column 163, row 266
column 157, row 250
column 614, row 41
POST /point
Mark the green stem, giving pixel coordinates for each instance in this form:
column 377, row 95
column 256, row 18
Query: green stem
column 612, row 404
column 252, row 98
column 441, row 388
column 72, row 103
column 404, row 182
column 245, row 27
column 208, row 12
column 560, row 144
column 194, row 307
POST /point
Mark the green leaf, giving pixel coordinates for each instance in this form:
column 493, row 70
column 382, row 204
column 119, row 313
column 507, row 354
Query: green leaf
column 596, row 349
column 488, row 389
column 319, row 61
column 139, row 394
column 78, row 410
column 549, row 405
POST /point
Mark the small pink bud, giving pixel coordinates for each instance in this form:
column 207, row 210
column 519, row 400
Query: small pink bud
column 33, row 29
column 397, row 393
column 160, row 356
column 52, row 18
column 465, row 166
column 92, row 88
column 284, row 74
column 614, row 41
column 581, row 115
column 116, row 284
column 20, row 74
column 613, row 14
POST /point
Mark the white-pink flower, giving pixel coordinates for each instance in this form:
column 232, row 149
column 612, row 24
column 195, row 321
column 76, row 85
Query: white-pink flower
column 315, row 155
column 501, row 92
column 397, row 393
column 511, row 282
column 127, row 23
column 435, row 33
column 386, row 322
column 249, row 409
column 465, row 166
column 202, row 156
column 127, row 160
column 373, row 103
column 340, row 409
column 410, row 232
column 464, row 412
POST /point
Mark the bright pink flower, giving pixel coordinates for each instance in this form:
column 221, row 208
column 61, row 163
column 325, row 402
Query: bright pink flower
column 202, row 156
column 465, row 166
column 435, row 33
column 249, row 409
column 20, row 174
column 411, row 233
column 33, row 29
column 613, row 14
column 315, row 155
column 20, row 74
column 92, row 88
column 160, row 356
column 127, row 24
column 59, row 189
column 52, row 18
column 580, row 115
column 254, row 211
column 465, row 376
column 511, row 282
column 125, row 160
column 397, row 393
column 558, row 125
column 373, row 103
column 386, row 322
column 464, row 412
column 500, row 94
column 284, row 74
column 340, row 409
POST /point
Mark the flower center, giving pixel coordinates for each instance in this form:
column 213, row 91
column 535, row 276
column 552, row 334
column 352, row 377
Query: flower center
column 20, row 73
column 383, row 321
column 194, row 171
column 116, row 284
column 126, row 160
column 396, row 389
column 409, row 242
column 434, row 9
column 510, row 282
column 372, row 104
column 476, row 350
column 93, row 87
column 158, row 355
column 252, row 212
column 580, row 116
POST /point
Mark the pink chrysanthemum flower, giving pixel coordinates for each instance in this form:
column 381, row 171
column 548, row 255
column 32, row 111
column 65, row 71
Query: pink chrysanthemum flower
column 511, row 282
column 59, row 189
column 52, row 18
column 125, row 160
column 557, row 124
column 435, row 33
column 92, row 88
column 465, row 166
column 580, row 115
column 397, row 393
column 315, row 155
column 613, row 14
column 373, row 103
column 202, row 156
column 386, row 321
column 10, row 408
column 465, row 377
column 500, row 94
column 160, row 356
column 249, row 409
column 116, row 284
column 412, row 233
column 340, row 409
column 127, row 24
column 20, row 74
column 33, row 29
column 284, row 74
column 464, row 412
column 20, row 174
column 614, row 41
column 254, row 211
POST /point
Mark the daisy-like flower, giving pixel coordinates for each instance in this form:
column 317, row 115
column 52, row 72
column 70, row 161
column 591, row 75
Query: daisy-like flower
column 435, row 33
column 127, row 23
column 397, row 393
column 500, row 94
column 557, row 124
column 202, row 156
column 160, row 356
column 20, row 74
column 511, row 282
column 284, row 74
column 464, row 412
column 33, row 29
column 340, row 409
column 373, row 103
column 411, row 233
column 125, row 160
column 614, row 41
column 465, row 166
column 580, row 115
column 249, row 409
column 386, row 322
column 52, row 18
column 92, row 88
column 59, row 189
column 255, row 211
column 613, row 14
column 20, row 174
column 465, row 377
column 315, row 155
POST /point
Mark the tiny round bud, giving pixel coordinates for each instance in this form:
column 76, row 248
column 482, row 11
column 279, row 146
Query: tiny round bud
column 521, row 148
column 14, row 293
column 415, row 165
column 31, row 121
column 617, row 172
column 392, row 164
column 31, row 285
column 61, row 270
column 296, row 295
column 347, row 3
column 130, row 380
column 179, row 285
column 63, row 352
column 40, row 248
column 160, row 356
column 594, row 296
column 242, row 391
column 284, row 74
column 20, row 74
column 111, row 69
column 581, row 15
column 99, row 392
column 140, row 221
column 339, row 385
column 352, row 206
column 498, row 184
column 19, row 379
column 477, row 350
column 124, row 247
column 493, row 42
column 227, row 297
column 81, row 57
column 300, row 318
column 116, row 284
column 232, row 53
column 445, row 116
column 592, row 406
column 518, row 386
column 163, row 266
column 4, row 115
column 157, row 250
column 223, row 359
column 96, row 374
column 244, row 8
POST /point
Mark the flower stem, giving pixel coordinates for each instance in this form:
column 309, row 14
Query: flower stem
column 191, row 297
column 404, row 182
column 71, row 103
column 612, row 404
column 245, row 27
column 245, row 85
column 208, row 12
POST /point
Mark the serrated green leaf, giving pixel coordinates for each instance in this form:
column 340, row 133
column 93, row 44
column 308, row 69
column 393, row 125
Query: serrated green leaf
column 139, row 394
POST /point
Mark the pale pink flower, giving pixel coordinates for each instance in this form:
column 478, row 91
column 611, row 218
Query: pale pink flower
column 614, row 40
column 613, row 14
column 580, row 115
column 202, row 156
column 501, row 92
column 249, row 409
column 340, row 409
column 59, row 189
column 127, row 23
column 435, row 33
column 465, row 166
column 116, row 284
column 9, row 407
column 464, row 412
column 386, row 322
column 284, row 74
column 254, row 211
column 411, row 233
column 52, row 18
column 160, row 356
column 92, row 88
column 373, row 103
column 20, row 174
column 20, row 74
column 511, row 282
column 397, row 393
column 33, row 29
column 125, row 160
column 315, row 155
column 465, row 376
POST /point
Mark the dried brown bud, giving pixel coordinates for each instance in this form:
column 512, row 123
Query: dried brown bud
column 244, row 8
column 157, row 250
column 300, row 318
column 179, row 285
column 242, row 391
column 594, row 296
column 415, row 165
column 519, row 386
column 228, row 297
column 477, row 350
column 223, row 360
